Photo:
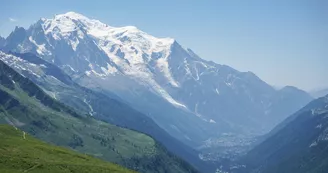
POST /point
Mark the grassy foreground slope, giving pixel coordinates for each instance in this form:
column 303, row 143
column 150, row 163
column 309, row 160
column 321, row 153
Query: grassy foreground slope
column 27, row 107
column 23, row 153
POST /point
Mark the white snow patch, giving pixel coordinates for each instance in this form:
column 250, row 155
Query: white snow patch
column 88, row 73
column 315, row 143
column 199, row 115
column 163, row 65
column 169, row 98
column 197, row 75
column 40, row 49
column 217, row 91
column 74, row 44
column 203, row 64
column 70, row 67
column 55, row 78
column 98, row 74
column 90, row 107
column 228, row 83
column 52, row 94
column 109, row 70
column 35, row 74
column 323, row 136
column 186, row 65
column 196, row 110
column 212, row 121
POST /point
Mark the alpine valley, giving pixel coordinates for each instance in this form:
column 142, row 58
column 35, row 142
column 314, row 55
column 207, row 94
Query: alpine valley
column 197, row 109
column 298, row 144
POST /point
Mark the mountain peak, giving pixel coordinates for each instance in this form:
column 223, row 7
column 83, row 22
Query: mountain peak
column 74, row 14
column 127, row 47
column 290, row 88
column 71, row 15
column 65, row 24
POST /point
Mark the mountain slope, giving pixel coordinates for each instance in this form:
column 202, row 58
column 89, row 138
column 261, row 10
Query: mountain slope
column 155, row 74
column 21, row 153
column 60, row 86
column 319, row 93
column 27, row 107
column 2, row 41
column 299, row 144
column 286, row 102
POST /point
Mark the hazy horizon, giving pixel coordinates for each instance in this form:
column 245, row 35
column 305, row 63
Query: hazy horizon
column 283, row 42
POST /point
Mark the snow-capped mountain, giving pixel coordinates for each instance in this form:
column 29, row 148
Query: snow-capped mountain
column 191, row 98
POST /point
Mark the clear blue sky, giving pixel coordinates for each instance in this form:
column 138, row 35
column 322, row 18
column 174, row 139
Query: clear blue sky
column 285, row 42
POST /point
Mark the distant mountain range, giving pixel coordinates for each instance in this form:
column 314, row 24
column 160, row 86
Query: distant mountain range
column 299, row 144
column 319, row 93
column 198, row 102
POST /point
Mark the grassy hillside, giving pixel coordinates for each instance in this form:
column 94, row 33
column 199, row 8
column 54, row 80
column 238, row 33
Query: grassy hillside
column 27, row 107
column 21, row 152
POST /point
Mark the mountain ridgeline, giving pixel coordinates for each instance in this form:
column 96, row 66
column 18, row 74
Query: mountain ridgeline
column 299, row 144
column 319, row 93
column 154, row 74
column 27, row 107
